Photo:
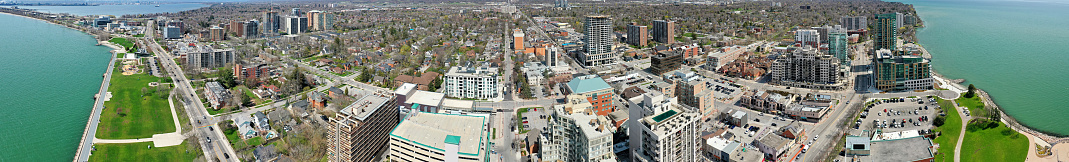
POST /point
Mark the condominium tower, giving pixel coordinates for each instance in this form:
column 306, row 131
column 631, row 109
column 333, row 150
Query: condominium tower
column 360, row 131
column 598, row 39
column 664, row 31
column 807, row 68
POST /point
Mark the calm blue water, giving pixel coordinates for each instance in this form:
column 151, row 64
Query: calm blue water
column 117, row 10
column 48, row 76
column 1018, row 51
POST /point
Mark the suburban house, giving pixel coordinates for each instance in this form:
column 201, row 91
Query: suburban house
column 317, row 99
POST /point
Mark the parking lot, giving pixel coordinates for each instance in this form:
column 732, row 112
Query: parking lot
column 893, row 115
column 534, row 118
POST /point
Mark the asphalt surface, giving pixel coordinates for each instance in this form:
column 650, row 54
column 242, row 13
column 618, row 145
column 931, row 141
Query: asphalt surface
column 86, row 147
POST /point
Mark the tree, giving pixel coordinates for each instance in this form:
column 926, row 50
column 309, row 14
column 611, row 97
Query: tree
column 226, row 77
column 971, row 92
column 939, row 121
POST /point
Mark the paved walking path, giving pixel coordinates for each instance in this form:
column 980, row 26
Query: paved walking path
column 961, row 136
column 84, row 148
column 158, row 140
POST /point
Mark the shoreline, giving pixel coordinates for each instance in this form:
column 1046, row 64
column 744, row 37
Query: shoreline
column 95, row 110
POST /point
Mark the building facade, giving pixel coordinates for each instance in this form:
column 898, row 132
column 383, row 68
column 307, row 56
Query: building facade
column 838, row 45
column 251, row 29
column 664, row 31
column 217, row 33
column 591, row 90
column 577, row 136
column 271, row 23
column 807, row 68
column 206, row 57
column 901, row 73
column 807, row 37
column 854, row 22
column 476, row 82
column 670, row 135
column 172, row 32
column 885, row 32
column 295, row 25
column 598, row 39
column 696, row 94
column 360, row 131
column 216, row 94
column 517, row 39
column 666, row 61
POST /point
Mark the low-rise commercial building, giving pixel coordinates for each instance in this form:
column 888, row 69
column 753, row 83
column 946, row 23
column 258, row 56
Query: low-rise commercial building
column 767, row 101
column 667, row 61
column 591, row 90
column 440, row 137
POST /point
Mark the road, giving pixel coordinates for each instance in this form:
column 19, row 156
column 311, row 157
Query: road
column 85, row 148
column 219, row 148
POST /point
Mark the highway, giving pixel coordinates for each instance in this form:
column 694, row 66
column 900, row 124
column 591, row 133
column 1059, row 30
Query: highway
column 219, row 148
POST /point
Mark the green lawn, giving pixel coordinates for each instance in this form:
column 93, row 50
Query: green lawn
column 235, row 140
column 131, row 113
column 255, row 141
column 122, row 41
column 141, row 152
column 951, row 129
column 139, row 35
column 519, row 120
column 994, row 144
column 975, row 105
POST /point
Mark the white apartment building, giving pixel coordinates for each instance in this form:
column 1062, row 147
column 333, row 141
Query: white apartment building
column 598, row 42
column 578, row 135
column 670, row 135
column 480, row 82
column 204, row 56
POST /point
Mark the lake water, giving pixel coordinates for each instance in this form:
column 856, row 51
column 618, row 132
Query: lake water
column 1015, row 50
column 117, row 10
column 48, row 76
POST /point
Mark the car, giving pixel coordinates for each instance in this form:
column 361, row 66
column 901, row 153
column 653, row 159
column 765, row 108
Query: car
column 210, row 128
column 757, row 120
column 524, row 118
column 773, row 124
column 524, row 122
column 227, row 156
column 209, row 139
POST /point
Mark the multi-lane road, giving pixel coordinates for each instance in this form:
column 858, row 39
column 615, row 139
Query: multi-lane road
column 203, row 123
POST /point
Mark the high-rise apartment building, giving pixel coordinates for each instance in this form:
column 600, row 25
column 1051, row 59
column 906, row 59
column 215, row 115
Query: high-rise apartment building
column 901, row 73
column 326, row 21
column 360, row 131
column 854, row 22
column 807, row 68
column 517, row 39
column 217, row 33
column 251, row 29
column 885, row 32
column 668, row 135
column 473, row 81
column 313, row 19
column 664, row 31
column 697, row 94
column 296, row 25
column 637, row 35
column 807, row 37
column 562, row 4
column 237, row 28
column 295, row 12
column 598, row 39
column 838, row 45
column 577, row 135
column 270, row 23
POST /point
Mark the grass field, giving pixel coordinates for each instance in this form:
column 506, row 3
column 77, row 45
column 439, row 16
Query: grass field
column 122, row 41
column 519, row 120
column 994, row 144
column 951, row 129
column 131, row 113
column 141, row 152
column 975, row 105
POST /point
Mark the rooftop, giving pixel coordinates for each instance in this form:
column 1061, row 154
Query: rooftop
column 907, row 149
column 851, row 140
column 722, row 144
column 587, row 84
column 366, row 105
column 670, row 121
column 435, row 130
column 458, row 104
column 426, row 98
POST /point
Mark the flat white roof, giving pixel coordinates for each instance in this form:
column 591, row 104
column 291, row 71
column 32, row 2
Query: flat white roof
column 425, row 98
column 458, row 104
column 431, row 129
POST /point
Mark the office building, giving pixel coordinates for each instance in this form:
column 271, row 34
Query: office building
column 271, row 23
column 590, row 92
column 440, row 137
column 577, row 135
column 206, row 57
column 216, row 95
column 837, row 45
column 473, row 81
column 665, row 61
column 885, row 32
column 598, row 39
column 854, row 22
column 807, row 68
column 102, row 21
column 360, row 131
column 807, row 37
column 664, row 31
column 251, row 29
column 670, row 135
column 517, row 39
column 172, row 32
column 295, row 25
column 637, row 35
column 901, row 73
column 217, row 33
column 697, row 93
